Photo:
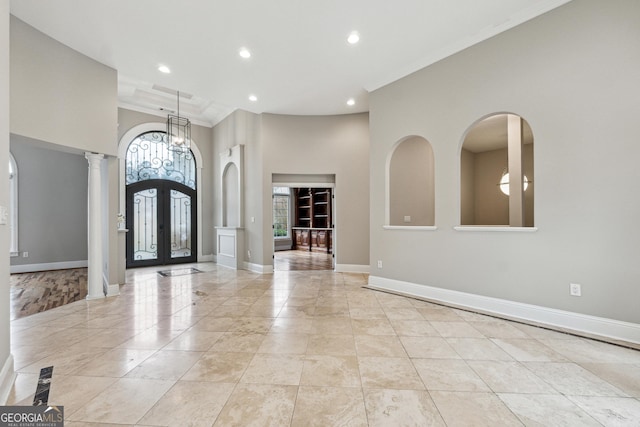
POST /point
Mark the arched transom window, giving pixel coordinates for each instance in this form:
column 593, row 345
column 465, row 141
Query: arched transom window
column 149, row 156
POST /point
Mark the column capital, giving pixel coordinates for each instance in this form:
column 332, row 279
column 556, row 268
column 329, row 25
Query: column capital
column 93, row 157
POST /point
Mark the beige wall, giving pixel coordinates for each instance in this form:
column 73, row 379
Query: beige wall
column 411, row 183
column 6, row 361
column 578, row 93
column 324, row 145
column 59, row 95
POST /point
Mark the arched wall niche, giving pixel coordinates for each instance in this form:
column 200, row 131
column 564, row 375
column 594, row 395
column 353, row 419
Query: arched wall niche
column 494, row 145
column 230, row 195
column 231, row 170
column 410, row 183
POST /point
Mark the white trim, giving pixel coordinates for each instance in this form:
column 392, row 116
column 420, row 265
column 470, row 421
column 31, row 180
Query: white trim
column 206, row 258
column 113, row 290
column 258, row 268
column 495, row 228
column 64, row 265
column 580, row 324
column 126, row 139
column 352, row 268
column 411, row 227
column 7, row 377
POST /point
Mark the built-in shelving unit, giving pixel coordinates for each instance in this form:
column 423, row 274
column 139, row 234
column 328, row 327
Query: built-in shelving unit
column 312, row 226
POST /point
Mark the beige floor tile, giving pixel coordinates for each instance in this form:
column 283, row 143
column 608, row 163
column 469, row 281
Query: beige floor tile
column 572, row 379
column 239, row 342
column 402, row 313
column 473, row 409
column 219, row 367
column 251, row 325
column 114, row 363
column 389, row 373
column 332, row 326
column 610, row 411
column 150, row 339
column 189, row 404
column 284, row 343
column 372, row 327
column 401, row 408
column 124, row 402
column 331, row 371
column 509, row 377
column 329, row 406
column 331, row 345
column 298, row 311
column 193, row 340
column 259, row 309
column 367, row 313
column 214, row 324
column 258, row 405
column 282, row 369
column 581, row 350
column 439, row 314
column 73, row 392
column 528, row 350
column 292, row 325
column 624, row 376
column 428, row 348
column 456, row 330
column 478, row 349
column 379, row 345
column 66, row 361
column 166, row 365
column 414, row 328
column 448, row 375
column 547, row 410
column 499, row 329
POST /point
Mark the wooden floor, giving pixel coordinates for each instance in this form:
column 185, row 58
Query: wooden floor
column 35, row 292
column 302, row 260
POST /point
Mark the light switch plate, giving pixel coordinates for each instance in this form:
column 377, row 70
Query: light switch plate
column 4, row 215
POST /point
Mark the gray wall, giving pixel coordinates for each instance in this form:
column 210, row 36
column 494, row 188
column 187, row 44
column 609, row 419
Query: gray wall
column 52, row 204
column 573, row 75
column 6, row 362
column 59, row 95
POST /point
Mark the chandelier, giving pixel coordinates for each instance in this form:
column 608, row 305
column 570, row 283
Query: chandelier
column 178, row 130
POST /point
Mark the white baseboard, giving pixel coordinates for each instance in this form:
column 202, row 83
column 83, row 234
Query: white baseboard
column 206, row 258
column 581, row 324
column 7, row 377
column 30, row 268
column 258, row 268
column 351, row 268
column 113, row 290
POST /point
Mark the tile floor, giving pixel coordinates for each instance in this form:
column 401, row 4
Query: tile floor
column 311, row 348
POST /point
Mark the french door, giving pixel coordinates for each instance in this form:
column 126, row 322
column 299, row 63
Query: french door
column 161, row 219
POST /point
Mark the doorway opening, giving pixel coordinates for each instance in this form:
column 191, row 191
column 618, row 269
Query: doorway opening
column 160, row 196
column 304, row 225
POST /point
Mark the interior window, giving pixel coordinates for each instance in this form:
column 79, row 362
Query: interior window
column 496, row 173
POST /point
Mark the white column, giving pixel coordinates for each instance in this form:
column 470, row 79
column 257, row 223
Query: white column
column 516, row 196
column 94, row 280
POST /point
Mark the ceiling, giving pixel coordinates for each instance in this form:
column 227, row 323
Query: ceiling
column 301, row 62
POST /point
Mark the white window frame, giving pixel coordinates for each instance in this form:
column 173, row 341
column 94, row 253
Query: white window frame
column 288, row 196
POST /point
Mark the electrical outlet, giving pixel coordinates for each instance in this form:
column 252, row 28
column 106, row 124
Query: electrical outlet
column 249, row 254
column 575, row 289
column 407, row 218
column 379, row 264
column 25, row 254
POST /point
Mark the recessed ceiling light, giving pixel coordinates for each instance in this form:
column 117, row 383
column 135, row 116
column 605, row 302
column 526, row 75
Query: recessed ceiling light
column 353, row 38
column 253, row 98
column 244, row 53
column 164, row 69
column 351, row 102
